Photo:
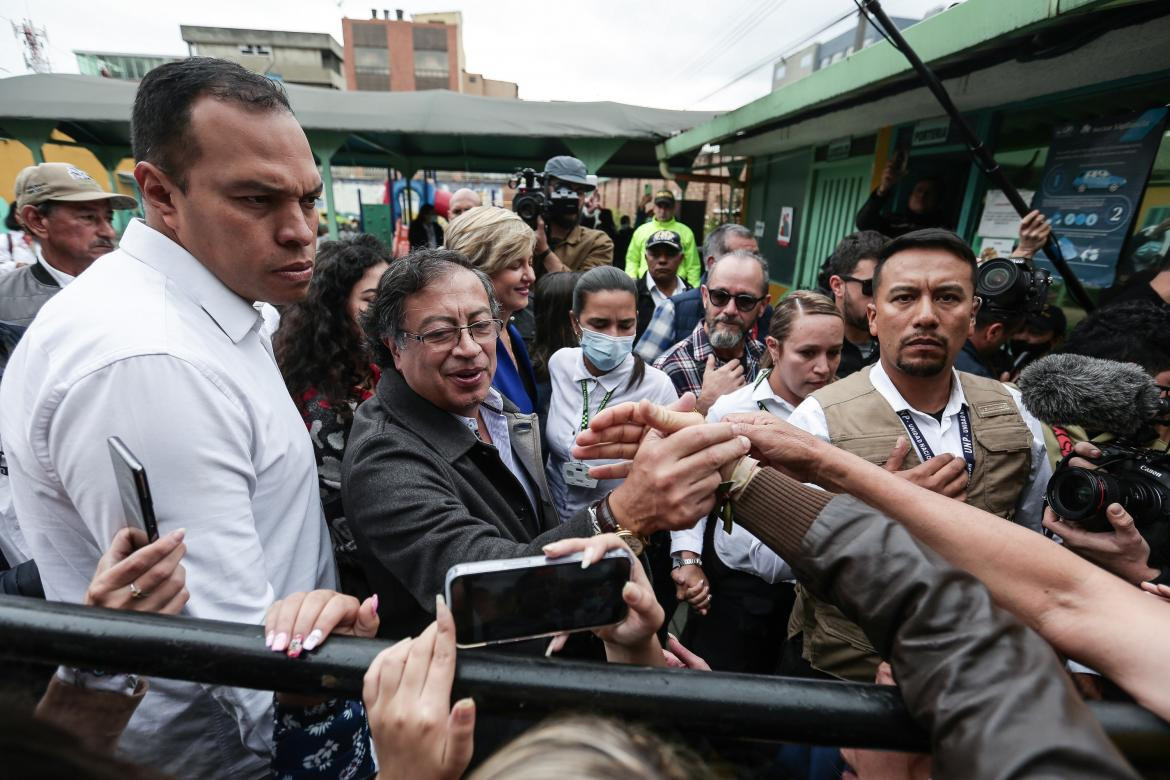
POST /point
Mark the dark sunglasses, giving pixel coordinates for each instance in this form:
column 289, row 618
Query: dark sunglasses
column 866, row 284
column 743, row 301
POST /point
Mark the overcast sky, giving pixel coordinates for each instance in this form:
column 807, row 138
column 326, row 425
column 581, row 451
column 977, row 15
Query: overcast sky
column 665, row 53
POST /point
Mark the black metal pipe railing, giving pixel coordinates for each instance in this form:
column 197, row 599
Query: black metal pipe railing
column 748, row 707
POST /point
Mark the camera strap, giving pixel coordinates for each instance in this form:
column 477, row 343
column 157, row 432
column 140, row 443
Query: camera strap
column 923, row 448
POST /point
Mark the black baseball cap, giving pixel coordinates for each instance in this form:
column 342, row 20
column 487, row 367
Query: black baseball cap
column 568, row 169
column 665, row 197
column 667, row 238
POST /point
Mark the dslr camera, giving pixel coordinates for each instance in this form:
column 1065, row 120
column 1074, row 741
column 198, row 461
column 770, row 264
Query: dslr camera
column 1137, row 478
column 1011, row 284
column 531, row 201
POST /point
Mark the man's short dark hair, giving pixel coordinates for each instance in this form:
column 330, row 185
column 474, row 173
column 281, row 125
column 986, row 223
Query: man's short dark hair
column 851, row 250
column 927, row 238
column 160, row 125
column 407, row 275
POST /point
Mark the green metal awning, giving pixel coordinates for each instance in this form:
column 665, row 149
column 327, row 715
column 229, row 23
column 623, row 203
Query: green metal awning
column 988, row 52
column 409, row 131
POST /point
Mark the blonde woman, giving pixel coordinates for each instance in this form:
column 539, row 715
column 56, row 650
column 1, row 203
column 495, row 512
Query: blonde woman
column 500, row 244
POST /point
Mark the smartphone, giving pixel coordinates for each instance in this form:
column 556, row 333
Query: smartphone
column 133, row 487
column 526, row 598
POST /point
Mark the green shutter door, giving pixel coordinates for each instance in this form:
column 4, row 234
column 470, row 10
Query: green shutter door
column 838, row 189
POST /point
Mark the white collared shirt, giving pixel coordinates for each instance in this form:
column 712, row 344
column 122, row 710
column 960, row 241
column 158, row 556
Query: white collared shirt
column 62, row 278
column 566, row 370
column 150, row 346
column 943, row 435
column 740, row 550
column 492, row 410
column 657, row 295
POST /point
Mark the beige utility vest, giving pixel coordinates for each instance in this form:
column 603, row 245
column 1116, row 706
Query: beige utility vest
column 861, row 421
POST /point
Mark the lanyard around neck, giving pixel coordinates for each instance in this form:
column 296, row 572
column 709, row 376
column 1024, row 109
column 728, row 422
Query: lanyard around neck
column 585, row 403
column 925, row 452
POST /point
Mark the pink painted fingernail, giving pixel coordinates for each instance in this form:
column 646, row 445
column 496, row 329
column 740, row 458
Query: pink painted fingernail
column 294, row 647
column 280, row 643
column 374, row 605
column 313, row 639
column 268, row 639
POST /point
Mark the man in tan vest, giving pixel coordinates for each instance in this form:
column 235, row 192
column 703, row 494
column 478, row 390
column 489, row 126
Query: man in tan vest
column 961, row 435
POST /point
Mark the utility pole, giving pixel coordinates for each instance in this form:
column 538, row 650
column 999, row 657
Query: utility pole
column 34, row 44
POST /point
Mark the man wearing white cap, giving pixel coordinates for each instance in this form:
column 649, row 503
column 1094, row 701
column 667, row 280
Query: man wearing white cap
column 71, row 217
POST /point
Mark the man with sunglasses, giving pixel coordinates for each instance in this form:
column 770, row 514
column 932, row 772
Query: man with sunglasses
column 441, row 469
column 720, row 355
column 851, row 269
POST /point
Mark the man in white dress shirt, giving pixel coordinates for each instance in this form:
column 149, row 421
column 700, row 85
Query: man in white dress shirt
column 159, row 343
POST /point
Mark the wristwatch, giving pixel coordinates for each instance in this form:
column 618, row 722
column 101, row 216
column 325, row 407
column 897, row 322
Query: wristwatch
column 680, row 562
column 603, row 521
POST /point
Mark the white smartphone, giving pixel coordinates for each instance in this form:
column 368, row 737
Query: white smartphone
column 525, row 598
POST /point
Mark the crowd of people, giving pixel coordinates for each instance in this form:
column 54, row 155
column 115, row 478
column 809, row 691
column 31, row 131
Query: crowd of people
column 839, row 484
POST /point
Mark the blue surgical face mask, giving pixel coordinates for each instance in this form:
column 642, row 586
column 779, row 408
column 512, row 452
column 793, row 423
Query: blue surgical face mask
column 604, row 351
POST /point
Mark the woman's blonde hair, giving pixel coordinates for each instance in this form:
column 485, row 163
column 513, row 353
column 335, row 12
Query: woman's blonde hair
column 491, row 237
column 591, row 748
column 794, row 305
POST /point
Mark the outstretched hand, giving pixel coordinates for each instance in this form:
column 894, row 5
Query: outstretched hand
column 616, row 432
column 407, row 690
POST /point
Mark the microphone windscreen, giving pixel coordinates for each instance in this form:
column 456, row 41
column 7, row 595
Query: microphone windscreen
column 1096, row 394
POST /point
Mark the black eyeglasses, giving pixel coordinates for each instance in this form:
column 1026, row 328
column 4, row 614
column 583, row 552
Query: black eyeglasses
column 866, row 284
column 483, row 332
column 743, row 301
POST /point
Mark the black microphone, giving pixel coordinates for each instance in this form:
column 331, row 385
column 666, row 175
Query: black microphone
column 1096, row 394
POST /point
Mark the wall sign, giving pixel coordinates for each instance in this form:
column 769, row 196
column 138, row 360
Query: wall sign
column 1093, row 183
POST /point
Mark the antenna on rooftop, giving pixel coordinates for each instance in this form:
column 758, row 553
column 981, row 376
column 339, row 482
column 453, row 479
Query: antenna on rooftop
column 34, row 43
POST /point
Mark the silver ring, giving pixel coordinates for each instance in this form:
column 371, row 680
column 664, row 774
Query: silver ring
column 136, row 592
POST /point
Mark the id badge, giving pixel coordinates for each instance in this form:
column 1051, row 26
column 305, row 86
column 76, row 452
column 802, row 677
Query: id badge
column 576, row 474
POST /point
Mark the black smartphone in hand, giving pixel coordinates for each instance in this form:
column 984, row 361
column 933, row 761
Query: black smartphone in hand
column 526, row 598
column 134, row 488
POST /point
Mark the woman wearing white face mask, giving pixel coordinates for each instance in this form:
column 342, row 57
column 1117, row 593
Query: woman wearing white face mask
column 602, row 372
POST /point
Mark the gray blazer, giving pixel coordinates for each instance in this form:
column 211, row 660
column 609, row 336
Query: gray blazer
column 422, row 494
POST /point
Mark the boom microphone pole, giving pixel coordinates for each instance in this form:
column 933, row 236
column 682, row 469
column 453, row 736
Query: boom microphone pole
column 982, row 156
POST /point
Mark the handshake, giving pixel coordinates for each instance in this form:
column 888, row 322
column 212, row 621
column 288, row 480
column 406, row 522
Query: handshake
column 674, row 462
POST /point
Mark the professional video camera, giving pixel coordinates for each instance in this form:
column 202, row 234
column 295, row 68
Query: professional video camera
column 1136, row 478
column 1011, row 285
column 1104, row 395
column 531, row 201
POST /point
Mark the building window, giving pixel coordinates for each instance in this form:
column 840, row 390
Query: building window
column 780, row 72
column 432, row 63
column 369, row 59
column 369, row 34
column 430, row 38
column 372, row 82
column 806, row 61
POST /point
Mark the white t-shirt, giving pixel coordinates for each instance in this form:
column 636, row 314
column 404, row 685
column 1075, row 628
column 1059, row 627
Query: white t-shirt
column 740, row 550
column 566, row 371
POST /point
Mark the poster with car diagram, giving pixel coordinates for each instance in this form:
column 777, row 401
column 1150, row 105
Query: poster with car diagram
column 1093, row 182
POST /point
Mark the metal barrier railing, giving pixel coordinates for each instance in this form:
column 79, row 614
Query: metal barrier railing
column 747, row 707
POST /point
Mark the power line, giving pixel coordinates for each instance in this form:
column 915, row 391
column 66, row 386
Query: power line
column 748, row 23
column 779, row 53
